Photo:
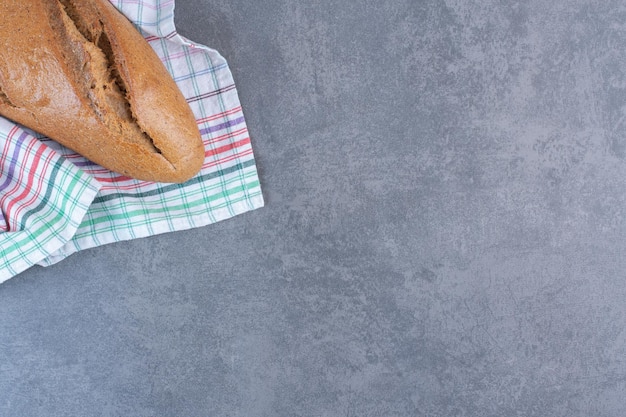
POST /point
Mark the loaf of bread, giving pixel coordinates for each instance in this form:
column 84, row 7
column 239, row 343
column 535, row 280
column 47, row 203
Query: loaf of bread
column 80, row 73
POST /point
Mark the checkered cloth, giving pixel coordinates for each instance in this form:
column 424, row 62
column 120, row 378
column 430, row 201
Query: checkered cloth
column 54, row 202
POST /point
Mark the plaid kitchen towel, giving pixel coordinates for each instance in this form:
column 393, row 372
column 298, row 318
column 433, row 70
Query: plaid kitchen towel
column 54, row 202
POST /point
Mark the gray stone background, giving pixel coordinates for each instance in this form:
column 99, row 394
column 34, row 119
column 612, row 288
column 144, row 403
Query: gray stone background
column 444, row 233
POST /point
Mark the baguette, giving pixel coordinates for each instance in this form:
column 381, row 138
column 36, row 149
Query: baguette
column 80, row 73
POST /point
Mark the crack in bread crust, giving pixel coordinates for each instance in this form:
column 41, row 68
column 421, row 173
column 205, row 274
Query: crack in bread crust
column 104, row 85
column 5, row 100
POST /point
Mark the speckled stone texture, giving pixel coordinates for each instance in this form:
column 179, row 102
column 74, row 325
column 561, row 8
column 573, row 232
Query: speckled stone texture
column 444, row 234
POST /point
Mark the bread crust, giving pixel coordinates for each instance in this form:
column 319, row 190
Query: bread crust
column 80, row 73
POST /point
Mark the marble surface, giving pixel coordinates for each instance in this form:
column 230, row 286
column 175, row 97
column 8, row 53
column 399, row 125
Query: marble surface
column 444, row 232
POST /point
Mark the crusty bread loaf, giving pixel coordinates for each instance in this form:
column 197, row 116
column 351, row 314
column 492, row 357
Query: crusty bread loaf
column 78, row 72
